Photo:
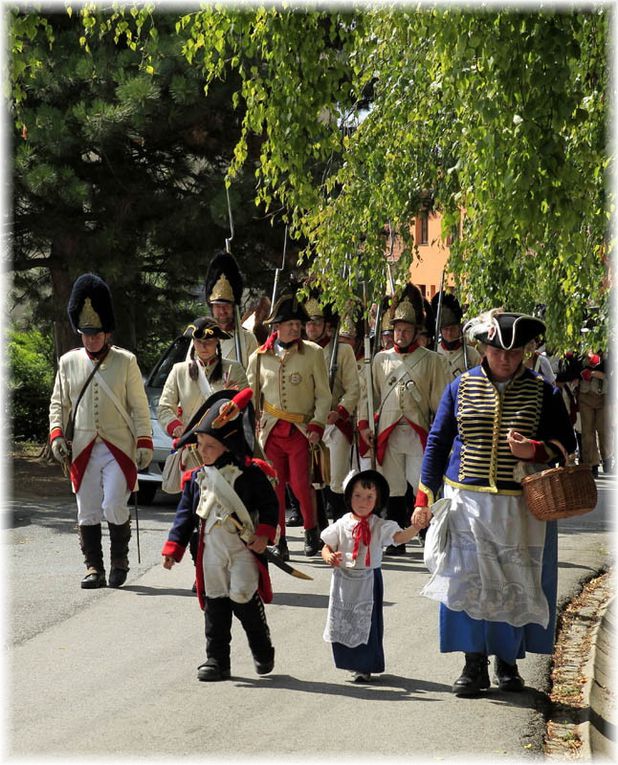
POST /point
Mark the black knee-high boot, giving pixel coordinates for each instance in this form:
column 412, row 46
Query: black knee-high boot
column 90, row 543
column 253, row 619
column 218, row 630
column 337, row 504
column 119, row 536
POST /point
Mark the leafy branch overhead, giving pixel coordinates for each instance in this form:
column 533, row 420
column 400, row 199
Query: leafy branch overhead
column 361, row 118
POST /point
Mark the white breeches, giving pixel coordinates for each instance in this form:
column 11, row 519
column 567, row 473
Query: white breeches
column 340, row 450
column 402, row 460
column 230, row 569
column 103, row 491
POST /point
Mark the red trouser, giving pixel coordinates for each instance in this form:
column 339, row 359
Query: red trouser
column 288, row 450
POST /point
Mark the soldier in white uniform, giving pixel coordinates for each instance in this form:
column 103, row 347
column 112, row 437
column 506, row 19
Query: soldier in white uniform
column 292, row 398
column 224, row 287
column 408, row 381
column 112, row 435
column 344, row 383
column 460, row 355
column 191, row 382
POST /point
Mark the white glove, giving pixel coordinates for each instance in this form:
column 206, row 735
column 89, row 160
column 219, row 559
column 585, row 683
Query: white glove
column 143, row 458
column 60, row 450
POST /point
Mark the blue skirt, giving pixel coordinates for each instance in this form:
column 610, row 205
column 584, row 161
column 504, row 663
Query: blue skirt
column 459, row 632
column 368, row 657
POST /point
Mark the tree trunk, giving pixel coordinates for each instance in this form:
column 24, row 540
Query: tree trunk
column 63, row 251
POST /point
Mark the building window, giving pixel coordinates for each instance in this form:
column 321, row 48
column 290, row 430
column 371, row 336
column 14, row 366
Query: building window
column 422, row 228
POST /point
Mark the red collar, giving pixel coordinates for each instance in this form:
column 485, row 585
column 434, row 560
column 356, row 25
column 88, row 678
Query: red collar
column 410, row 349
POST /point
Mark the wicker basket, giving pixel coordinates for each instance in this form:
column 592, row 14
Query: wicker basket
column 560, row 492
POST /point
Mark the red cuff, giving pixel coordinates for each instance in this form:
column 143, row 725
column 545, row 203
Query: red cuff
column 314, row 427
column 422, row 500
column 362, row 425
column 171, row 427
column 343, row 412
column 144, row 442
column 540, row 453
column 265, row 530
column 173, row 550
column 56, row 433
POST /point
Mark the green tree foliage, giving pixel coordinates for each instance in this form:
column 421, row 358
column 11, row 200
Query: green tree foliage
column 31, row 380
column 500, row 114
column 119, row 168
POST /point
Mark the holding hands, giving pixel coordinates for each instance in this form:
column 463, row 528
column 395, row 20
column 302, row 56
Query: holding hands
column 421, row 517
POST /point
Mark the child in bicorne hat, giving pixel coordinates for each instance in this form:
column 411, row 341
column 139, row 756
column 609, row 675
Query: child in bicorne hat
column 232, row 499
column 353, row 547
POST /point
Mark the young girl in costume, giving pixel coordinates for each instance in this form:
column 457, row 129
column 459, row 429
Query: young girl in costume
column 353, row 547
column 232, row 498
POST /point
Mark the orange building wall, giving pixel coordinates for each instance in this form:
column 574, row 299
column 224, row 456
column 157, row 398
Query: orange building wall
column 430, row 257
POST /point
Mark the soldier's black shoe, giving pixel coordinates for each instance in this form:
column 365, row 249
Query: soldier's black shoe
column 117, row 577
column 281, row 549
column 508, row 677
column 211, row 671
column 395, row 550
column 475, row 676
column 312, row 542
column 265, row 663
column 595, row 471
column 295, row 519
column 93, row 580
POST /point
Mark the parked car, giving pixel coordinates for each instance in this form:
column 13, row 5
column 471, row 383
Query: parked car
column 150, row 478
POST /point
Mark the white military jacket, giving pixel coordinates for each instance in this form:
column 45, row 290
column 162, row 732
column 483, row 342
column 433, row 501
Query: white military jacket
column 248, row 344
column 406, row 386
column 181, row 396
column 456, row 361
column 98, row 417
column 291, row 387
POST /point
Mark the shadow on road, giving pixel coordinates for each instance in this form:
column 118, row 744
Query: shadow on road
column 401, row 688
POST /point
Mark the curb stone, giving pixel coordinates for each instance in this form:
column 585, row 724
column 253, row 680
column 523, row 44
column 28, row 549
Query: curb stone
column 570, row 732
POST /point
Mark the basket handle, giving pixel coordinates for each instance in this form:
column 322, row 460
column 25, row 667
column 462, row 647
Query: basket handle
column 568, row 458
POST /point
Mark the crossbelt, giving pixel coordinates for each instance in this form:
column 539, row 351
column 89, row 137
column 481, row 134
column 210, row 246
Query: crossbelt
column 281, row 414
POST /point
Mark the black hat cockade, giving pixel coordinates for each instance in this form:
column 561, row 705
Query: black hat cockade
column 287, row 308
column 90, row 306
column 229, row 417
column 224, row 282
column 206, row 328
column 506, row 330
column 369, row 476
column 451, row 312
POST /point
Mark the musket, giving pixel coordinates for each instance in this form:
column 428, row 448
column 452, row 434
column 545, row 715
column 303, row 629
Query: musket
column 228, row 249
column 279, row 270
column 333, row 366
column 273, row 557
column 369, row 378
column 439, row 313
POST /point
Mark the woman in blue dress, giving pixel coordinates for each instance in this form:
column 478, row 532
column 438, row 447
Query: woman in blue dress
column 497, row 578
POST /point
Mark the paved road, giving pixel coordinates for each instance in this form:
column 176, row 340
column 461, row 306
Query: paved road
column 112, row 672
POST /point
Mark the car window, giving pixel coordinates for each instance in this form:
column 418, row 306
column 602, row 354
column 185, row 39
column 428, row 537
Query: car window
column 176, row 352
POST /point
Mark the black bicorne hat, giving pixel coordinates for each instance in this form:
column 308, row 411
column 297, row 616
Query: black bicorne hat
column 287, row 308
column 90, row 306
column 205, row 328
column 228, row 416
column 224, row 282
column 508, row 331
